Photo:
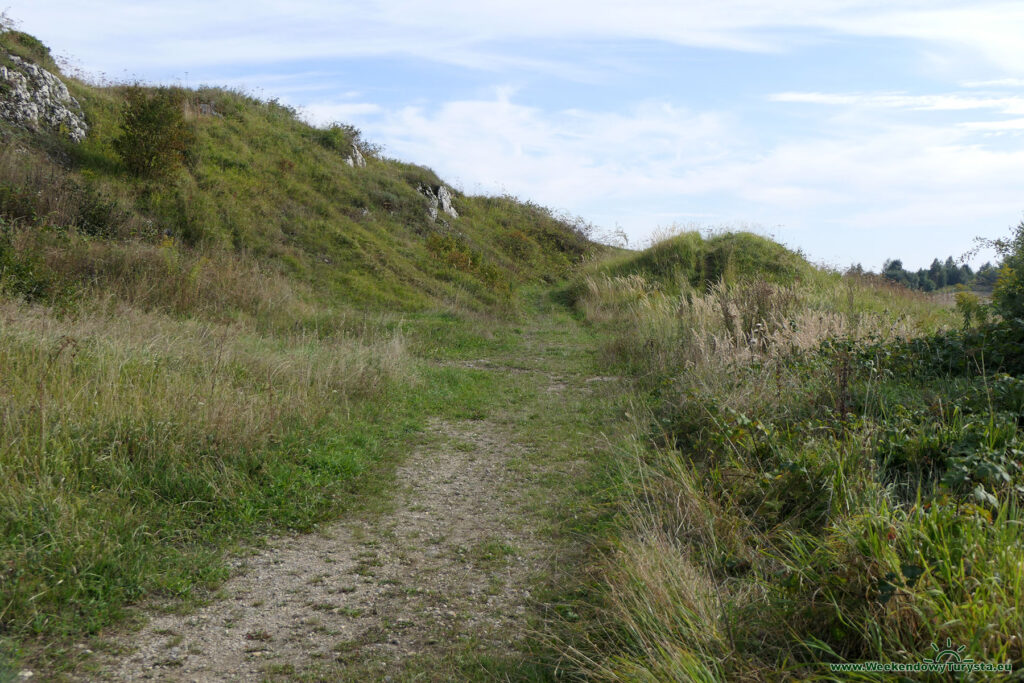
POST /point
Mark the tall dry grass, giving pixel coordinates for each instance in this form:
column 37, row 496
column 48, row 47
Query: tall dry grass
column 762, row 535
column 67, row 266
column 132, row 440
column 661, row 332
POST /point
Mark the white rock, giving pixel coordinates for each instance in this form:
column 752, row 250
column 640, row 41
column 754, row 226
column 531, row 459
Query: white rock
column 32, row 96
column 444, row 195
column 356, row 158
column 441, row 199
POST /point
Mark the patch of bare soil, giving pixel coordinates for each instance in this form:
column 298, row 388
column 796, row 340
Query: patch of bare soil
column 452, row 563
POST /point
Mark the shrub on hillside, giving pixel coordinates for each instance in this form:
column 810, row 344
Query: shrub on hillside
column 518, row 246
column 155, row 138
column 337, row 137
column 343, row 137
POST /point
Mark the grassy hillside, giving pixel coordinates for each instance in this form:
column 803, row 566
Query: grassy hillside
column 259, row 184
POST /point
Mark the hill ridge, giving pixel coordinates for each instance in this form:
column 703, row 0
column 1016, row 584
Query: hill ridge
column 219, row 170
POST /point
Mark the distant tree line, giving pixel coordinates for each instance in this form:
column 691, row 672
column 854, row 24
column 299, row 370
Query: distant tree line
column 939, row 274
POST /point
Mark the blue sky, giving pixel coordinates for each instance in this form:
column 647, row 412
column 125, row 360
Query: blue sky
column 854, row 130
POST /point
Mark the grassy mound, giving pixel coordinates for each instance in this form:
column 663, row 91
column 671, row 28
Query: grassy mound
column 699, row 262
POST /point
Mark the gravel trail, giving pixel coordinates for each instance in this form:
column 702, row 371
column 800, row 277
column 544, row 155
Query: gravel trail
column 451, row 564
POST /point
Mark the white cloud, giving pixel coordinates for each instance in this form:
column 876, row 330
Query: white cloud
column 566, row 158
column 1007, row 125
column 943, row 102
column 323, row 114
column 996, row 83
column 484, row 35
column 991, row 29
column 654, row 163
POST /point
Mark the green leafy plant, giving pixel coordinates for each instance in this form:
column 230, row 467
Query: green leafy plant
column 971, row 308
column 1008, row 295
column 155, row 137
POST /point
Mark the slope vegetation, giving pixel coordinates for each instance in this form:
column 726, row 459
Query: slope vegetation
column 258, row 184
column 828, row 472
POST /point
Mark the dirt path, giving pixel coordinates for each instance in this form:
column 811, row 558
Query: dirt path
column 449, row 570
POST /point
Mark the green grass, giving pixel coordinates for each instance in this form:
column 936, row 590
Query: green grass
column 132, row 443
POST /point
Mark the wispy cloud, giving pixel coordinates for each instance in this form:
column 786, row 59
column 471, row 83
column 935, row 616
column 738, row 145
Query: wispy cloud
column 562, row 158
column 1007, row 125
column 941, row 102
column 637, row 166
column 996, row 83
column 479, row 35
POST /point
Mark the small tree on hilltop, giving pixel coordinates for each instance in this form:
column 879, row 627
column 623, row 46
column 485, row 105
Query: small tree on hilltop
column 155, row 137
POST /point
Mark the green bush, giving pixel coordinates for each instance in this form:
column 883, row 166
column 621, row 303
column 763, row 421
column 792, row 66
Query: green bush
column 155, row 138
column 518, row 246
column 343, row 138
column 337, row 137
column 1009, row 291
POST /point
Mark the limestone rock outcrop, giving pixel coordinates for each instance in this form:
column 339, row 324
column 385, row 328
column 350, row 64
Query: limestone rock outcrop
column 33, row 97
column 356, row 158
column 439, row 198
